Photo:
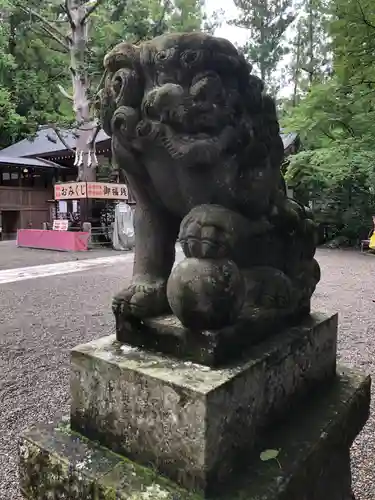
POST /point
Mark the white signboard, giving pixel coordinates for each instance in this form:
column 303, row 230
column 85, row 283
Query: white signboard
column 60, row 225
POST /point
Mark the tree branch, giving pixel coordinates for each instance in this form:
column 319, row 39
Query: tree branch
column 36, row 14
column 48, row 27
column 91, row 10
column 68, row 13
column 64, row 92
column 37, row 32
column 157, row 26
column 100, row 84
column 63, row 43
column 61, row 138
column 364, row 18
column 345, row 126
column 327, row 134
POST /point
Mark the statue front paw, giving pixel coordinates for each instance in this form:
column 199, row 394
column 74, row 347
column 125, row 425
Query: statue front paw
column 143, row 298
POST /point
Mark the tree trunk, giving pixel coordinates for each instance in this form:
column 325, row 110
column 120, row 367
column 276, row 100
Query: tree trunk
column 78, row 13
column 263, row 64
column 311, row 42
column 297, row 67
column 12, row 44
column 85, row 156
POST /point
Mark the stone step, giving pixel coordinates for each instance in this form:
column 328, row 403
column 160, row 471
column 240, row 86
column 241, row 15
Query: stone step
column 313, row 461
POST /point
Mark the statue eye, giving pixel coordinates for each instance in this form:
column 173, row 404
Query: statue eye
column 190, row 57
column 117, row 84
column 119, row 81
column 163, row 55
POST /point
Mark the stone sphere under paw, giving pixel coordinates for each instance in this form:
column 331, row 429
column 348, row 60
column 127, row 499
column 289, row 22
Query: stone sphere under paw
column 206, row 294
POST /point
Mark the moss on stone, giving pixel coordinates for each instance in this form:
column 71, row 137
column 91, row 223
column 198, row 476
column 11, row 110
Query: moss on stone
column 57, row 459
column 64, row 426
column 58, row 463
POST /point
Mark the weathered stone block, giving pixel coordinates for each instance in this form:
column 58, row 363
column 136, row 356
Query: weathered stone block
column 313, row 440
column 166, row 334
column 193, row 423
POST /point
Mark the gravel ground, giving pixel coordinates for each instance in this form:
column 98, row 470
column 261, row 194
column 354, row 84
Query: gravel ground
column 42, row 319
column 348, row 286
column 12, row 257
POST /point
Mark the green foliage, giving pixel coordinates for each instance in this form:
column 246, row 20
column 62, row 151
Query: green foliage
column 30, row 68
column 266, row 23
column 338, row 181
column 336, row 170
column 309, row 55
column 353, row 33
column 10, row 121
column 336, row 119
column 332, row 112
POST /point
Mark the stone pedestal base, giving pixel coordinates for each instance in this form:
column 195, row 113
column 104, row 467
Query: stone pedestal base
column 166, row 334
column 313, row 463
column 192, row 423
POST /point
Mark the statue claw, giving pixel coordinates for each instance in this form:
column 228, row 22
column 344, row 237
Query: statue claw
column 140, row 300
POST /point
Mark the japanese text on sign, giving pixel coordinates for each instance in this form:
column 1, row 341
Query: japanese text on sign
column 60, row 225
column 70, row 191
column 99, row 190
column 107, row 191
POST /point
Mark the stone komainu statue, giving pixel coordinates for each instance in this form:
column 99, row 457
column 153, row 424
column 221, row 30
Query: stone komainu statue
column 198, row 142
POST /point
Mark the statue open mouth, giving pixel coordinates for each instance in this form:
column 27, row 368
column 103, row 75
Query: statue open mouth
column 198, row 142
column 190, row 148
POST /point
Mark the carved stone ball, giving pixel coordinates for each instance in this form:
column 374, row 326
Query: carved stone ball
column 206, row 294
